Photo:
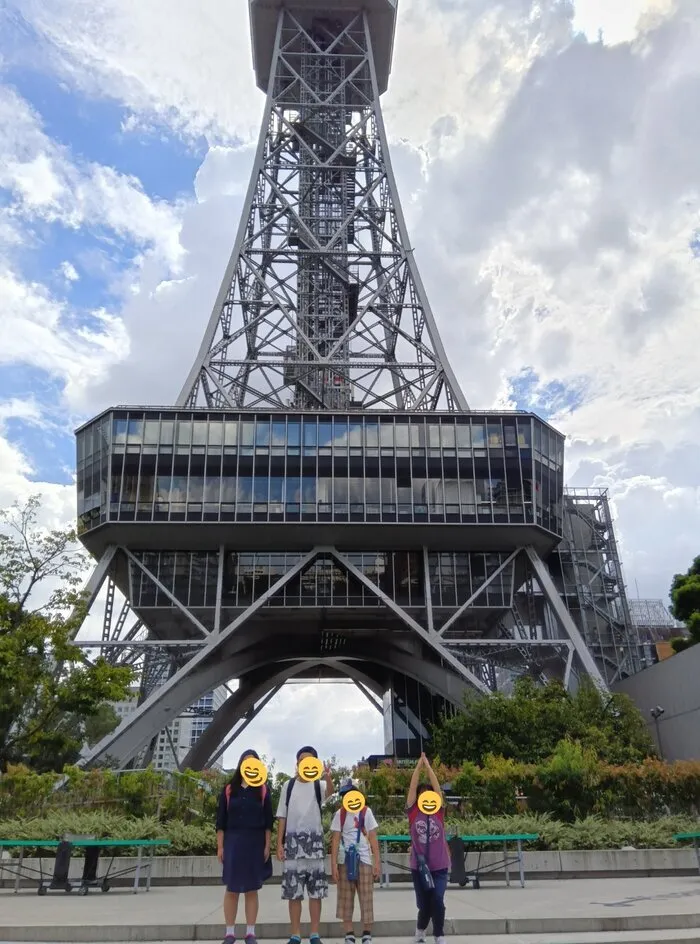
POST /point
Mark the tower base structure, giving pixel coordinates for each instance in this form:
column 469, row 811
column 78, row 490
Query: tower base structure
column 422, row 557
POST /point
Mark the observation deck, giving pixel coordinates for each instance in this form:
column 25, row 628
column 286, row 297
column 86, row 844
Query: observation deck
column 381, row 18
column 187, row 480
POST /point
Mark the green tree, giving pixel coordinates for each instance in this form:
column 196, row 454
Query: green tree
column 685, row 597
column 52, row 698
column 528, row 725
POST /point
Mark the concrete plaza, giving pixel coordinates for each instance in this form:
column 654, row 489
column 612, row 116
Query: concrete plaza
column 587, row 911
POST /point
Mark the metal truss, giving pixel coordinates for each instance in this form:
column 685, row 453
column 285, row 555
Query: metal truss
column 322, row 305
column 436, row 646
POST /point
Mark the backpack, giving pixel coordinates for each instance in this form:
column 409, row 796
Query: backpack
column 288, row 796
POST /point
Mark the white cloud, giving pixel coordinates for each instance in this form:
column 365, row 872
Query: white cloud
column 69, row 272
column 553, row 193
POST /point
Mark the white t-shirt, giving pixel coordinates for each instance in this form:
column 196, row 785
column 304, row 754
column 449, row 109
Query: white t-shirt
column 304, row 831
column 349, row 835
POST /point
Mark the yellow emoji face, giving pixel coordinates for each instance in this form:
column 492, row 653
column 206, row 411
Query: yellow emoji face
column 253, row 772
column 310, row 768
column 353, row 801
column 429, row 802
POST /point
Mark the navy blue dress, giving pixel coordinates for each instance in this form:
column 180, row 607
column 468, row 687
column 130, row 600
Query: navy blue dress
column 244, row 820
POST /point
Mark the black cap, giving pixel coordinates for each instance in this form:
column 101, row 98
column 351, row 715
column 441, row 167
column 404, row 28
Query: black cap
column 306, row 750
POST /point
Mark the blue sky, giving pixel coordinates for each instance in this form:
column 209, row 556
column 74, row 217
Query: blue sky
column 552, row 192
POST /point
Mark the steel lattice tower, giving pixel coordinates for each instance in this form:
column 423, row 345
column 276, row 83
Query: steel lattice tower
column 321, row 503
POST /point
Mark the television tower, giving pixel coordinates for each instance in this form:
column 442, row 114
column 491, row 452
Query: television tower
column 321, row 502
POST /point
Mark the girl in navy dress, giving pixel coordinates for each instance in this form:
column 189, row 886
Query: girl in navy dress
column 243, row 833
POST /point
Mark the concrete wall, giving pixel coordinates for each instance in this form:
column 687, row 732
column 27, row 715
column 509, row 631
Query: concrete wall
column 674, row 685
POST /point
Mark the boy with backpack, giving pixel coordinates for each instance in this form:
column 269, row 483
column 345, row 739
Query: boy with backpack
column 301, row 848
column 355, row 864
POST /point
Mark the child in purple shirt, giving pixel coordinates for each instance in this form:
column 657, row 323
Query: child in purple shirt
column 428, row 841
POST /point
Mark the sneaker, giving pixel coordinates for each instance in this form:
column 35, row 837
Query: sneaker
column 366, row 938
column 419, row 937
column 251, row 939
column 440, row 940
column 350, row 938
column 229, row 939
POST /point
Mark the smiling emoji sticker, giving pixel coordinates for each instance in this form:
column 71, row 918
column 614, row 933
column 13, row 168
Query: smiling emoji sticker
column 310, row 768
column 253, row 772
column 353, row 801
column 429, row 802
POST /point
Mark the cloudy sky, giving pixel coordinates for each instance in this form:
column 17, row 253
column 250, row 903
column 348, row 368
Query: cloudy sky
column 547, row 157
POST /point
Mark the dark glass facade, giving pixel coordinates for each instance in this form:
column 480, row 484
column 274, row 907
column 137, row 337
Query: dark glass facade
column 191, row 576
column 165, row 465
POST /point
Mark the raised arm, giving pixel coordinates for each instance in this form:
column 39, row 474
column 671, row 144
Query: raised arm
column 413, row 786
column 432, row 777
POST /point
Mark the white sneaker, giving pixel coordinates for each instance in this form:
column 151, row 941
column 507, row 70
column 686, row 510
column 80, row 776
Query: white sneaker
column 440, row 940
column 419, row 937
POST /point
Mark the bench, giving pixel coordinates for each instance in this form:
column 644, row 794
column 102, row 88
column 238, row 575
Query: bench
column 20, row 869
column 680, row 837
column 510, row 857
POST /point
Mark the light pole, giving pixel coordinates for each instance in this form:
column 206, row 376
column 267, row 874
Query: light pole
column 656, row 714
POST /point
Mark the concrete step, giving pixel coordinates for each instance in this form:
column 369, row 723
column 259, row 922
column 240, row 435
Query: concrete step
column 684, row 927
column 687, row 936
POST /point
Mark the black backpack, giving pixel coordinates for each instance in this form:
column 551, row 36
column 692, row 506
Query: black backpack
column 290, row 787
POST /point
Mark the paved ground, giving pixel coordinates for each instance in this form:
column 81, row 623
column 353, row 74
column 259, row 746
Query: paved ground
column 588, row 911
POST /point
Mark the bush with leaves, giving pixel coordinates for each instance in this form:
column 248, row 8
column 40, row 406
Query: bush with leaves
column 685, row 597
column 49, row 691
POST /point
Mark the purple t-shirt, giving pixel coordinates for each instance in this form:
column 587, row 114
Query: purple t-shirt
column 428, row 839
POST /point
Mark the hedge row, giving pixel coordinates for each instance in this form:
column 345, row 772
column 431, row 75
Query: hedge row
column 571, row 785
column 589, row 833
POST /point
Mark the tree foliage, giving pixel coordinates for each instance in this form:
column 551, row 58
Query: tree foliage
column 528, row 725
column 685, row 597
column 52, row 698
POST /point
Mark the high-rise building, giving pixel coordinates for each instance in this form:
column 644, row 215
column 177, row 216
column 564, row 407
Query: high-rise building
column 320, row 501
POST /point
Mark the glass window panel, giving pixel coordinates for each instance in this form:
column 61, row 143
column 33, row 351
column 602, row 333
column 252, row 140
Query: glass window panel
column 340, row 491
column 260, row 488
column 433, row 435
column 167, row 429
column 293, row 489
column 448, row 436
column 228, row 489
column 262, row 433
column 388, row 487
column 357, row 490
column 196, row 488
column 417, row 435
column 199, row 433
column 178, row 489
column 340, row 433
column 310, row 433
column 524, row 434
column 277, row 488
column 387, row 435
column 216, row 432
column 146, row 489
column 402, row 436
column 325, row 490
column 294, row 434
column 478, row 436
column 451, row 490
column 247, row 433
column 464, row 439
column 118, row 431
column 325, row 434
column 509, row 436
column 419, row 491
column 244, row 488
column 163, row 488
column 495, row 435
column 279, row 434
column 211, row 490
column 231, row 432
column 538, row 437
column 371, row 491
column 308, row 490
column 150, row 432
column 134, row 430
column 184, row 432
column 372, row 435
column 355, row 433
